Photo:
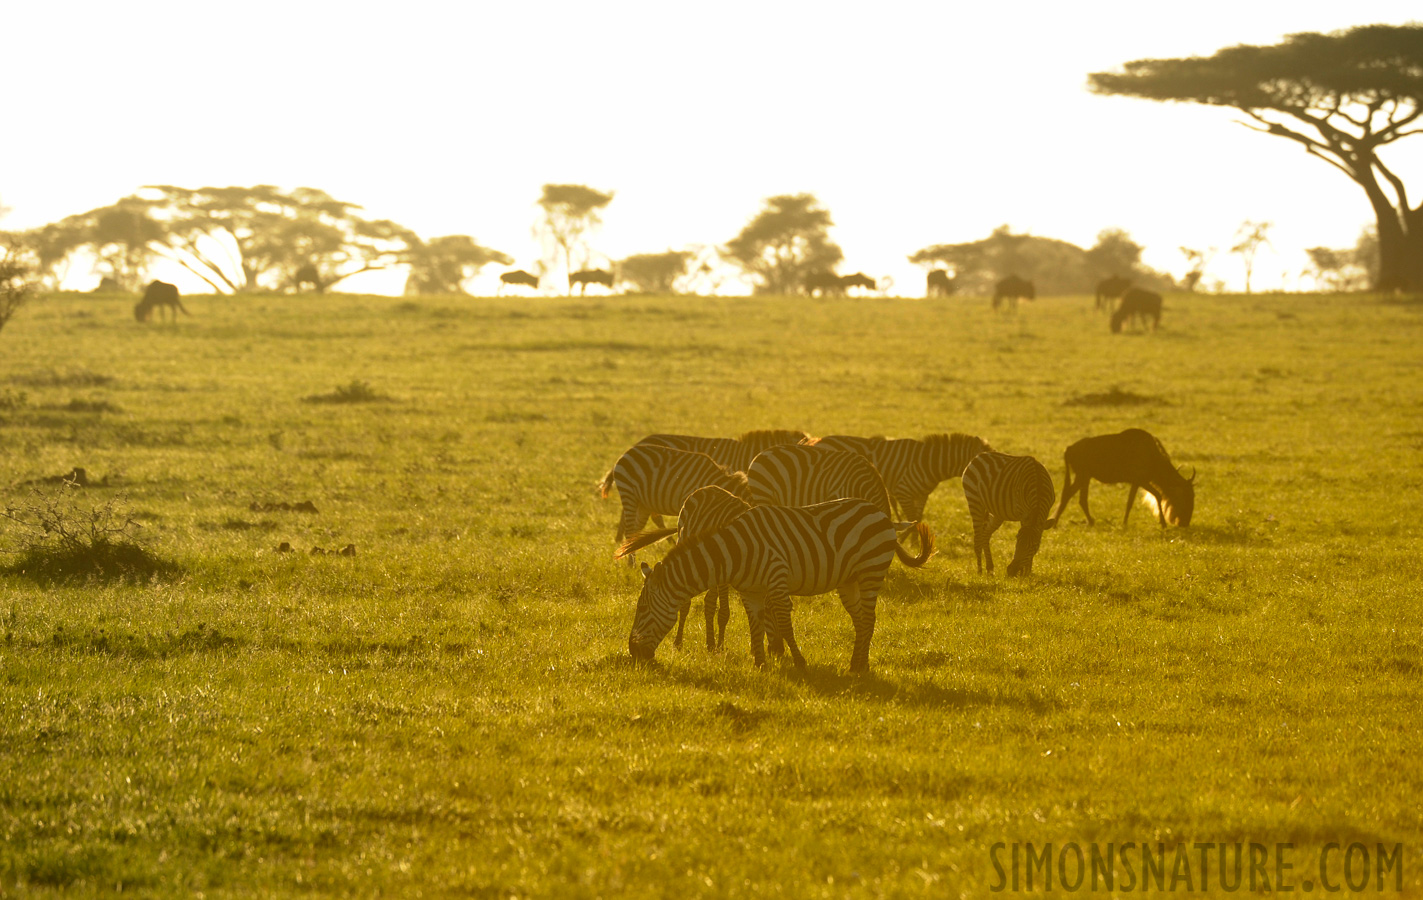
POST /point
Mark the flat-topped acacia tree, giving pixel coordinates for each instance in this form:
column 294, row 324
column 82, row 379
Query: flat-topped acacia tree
column 1342, row 96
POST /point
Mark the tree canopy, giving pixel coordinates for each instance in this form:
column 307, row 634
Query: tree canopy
column 442, row 265
column 1342, row 96
column 655, row 273
column 786, row 241
column 570, row 213
column 1056, row 267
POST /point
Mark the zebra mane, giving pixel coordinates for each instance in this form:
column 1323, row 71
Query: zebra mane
column 771, row 437
column 950, row 440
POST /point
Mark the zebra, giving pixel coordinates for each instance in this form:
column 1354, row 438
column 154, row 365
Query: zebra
column 769, row 554
column 802, row 474
column 704, row 511
column 999, row 488
column 655, row 481
column 734, row 453
column 913, row 469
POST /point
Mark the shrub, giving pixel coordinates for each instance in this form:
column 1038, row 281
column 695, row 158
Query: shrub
column 57, row 538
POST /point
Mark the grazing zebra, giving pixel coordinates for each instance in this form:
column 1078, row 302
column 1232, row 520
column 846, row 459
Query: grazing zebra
column 770, row 554
column 706, row 510
column 1002, row 488
column 913, row 469
column 734, row 453
column 656, row 481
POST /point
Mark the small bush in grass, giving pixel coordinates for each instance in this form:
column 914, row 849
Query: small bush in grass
column 57, row 538
column 356, row 392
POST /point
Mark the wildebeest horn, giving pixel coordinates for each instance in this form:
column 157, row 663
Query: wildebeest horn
column 1192, row 477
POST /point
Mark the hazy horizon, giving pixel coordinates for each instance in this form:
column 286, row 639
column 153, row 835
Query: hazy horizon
column 922, row 124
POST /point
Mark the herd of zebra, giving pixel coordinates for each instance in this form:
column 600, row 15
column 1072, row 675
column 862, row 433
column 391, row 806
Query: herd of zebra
column 781, row 514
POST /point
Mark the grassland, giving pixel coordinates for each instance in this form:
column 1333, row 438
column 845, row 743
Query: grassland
column 452, row 710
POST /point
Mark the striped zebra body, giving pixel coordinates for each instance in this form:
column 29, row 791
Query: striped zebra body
column 734, row 453
column 799, row 475
column 913, row 469
column 656, row 481
column 708, row 509
column 1000, row 488
column 770, row 554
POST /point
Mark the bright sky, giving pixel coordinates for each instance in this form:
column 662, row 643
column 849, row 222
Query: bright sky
column 915, row 123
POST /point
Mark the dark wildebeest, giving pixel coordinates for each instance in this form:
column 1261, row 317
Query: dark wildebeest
column 518, row 276
column 859, row 280
column 1137, row 304
column 1133, row 457
column 827, row 283
column 940, row 284
column 158, row 295
column 1013, row 289
column 590, row 276
column 1109, row 289
column 308, row 274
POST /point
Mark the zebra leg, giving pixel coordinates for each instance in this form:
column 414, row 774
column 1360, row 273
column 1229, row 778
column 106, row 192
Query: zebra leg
column 1131, row 498
column 709, row 606
column 985, row 539
column 859, row 601
column 723, row 615
column 780, row 612
column 682, row 613
column 756, row 625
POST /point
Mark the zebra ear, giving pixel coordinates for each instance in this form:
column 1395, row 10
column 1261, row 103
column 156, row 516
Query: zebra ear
column 646, row 571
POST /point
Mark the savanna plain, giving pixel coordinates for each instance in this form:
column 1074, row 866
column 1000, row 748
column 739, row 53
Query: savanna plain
column 453, row 710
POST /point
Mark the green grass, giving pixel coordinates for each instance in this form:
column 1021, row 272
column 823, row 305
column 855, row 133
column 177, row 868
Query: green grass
column 453, row 710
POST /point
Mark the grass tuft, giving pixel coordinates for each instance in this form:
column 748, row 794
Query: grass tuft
column 356, row 392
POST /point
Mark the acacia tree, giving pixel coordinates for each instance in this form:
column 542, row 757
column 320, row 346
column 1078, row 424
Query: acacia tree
column 15, row 287
column 442, row 265
column 1114, row 255
column 234, row 237
column 1342, row 96
column 655, row 273
column 570, row 213
column 786, row 241
column 1249, row 238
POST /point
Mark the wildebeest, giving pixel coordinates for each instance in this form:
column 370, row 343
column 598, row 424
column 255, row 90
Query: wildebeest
column 1138, row 304
column 590, row 276
column 308, row 274
column 1013, row 289
column 827, row 283
column 859, row 280
column 1109, row 289
column 518, row 276
column 1134, row 457
column 158, row 295
column 939, row 284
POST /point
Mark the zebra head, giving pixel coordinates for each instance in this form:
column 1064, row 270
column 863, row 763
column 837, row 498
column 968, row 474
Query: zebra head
column 656, row 613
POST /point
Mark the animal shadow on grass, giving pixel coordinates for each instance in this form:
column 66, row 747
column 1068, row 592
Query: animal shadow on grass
column 834, row 681
column 1227, row 535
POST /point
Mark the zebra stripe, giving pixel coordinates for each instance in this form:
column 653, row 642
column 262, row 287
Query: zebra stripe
column 655, row 481
column 706, row 510
column 1000, row 488
column 913, row 469
column 770, row 554
column 802, row 474
column 734, row 453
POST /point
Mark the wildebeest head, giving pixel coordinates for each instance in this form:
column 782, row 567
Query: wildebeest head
column 1179, row 500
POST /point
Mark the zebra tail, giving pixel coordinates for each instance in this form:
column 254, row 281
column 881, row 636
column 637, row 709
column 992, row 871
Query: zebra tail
column 606, row 484
column 926, row 548
column 643, row 539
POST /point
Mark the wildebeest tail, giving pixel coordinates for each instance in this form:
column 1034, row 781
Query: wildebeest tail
column 926, row 547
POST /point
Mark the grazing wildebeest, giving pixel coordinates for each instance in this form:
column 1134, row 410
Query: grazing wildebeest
column 518, row 276
column 940, row 284
column 590, row 276
column 158, row 295
column 859, row 280
column 1013, row 289
column 1109, row 289
column 308, row 274
column 1136, row 458
column 827, row 283
column 1137, row 304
